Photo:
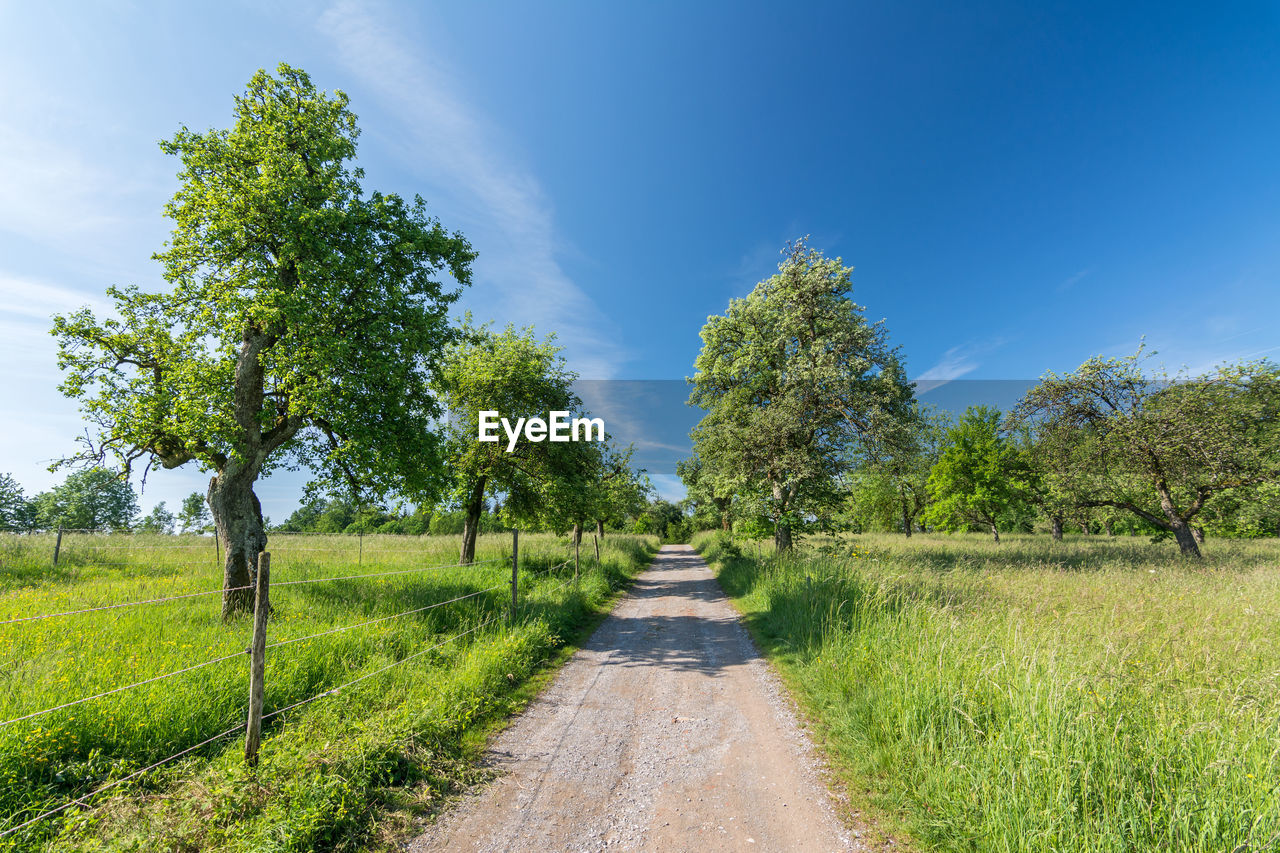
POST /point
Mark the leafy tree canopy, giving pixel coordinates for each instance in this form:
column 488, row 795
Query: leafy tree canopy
column 304, row 323
column 977, row 479
column 1158, row 446
column 92, row 499
column 16, row 512
column 519, row 376
column 793, row 377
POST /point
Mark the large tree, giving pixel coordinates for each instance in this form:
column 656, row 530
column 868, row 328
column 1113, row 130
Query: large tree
column 792, row 378
column 1158, row 446
column 303, row 325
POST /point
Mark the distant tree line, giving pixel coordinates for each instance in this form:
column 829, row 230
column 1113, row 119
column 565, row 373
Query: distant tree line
column 95, row 499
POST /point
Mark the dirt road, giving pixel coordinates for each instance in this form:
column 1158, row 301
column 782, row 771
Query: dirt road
column 667, row 731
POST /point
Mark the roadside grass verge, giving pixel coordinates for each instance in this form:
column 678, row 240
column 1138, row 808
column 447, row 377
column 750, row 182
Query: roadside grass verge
column 1095, row 694
column 330, row 770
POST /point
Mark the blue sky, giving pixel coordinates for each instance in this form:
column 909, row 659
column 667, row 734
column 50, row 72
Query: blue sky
column 1018, row 186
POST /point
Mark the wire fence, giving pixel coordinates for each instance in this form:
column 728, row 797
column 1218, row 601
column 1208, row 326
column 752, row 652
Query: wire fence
column 257, row 649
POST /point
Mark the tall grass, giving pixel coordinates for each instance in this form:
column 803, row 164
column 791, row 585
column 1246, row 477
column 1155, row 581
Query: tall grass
column 325, row 766
column 1100, row 695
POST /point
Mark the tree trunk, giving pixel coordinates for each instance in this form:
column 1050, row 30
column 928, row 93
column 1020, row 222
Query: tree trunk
column 1186, row 539
column 600, row 528
column 1110, row 527
column 781, row 531
column 471, row 524
column 237, row 515
column 906, row 511
column 995, row 532
column 1198, row 534
column 781, row 537
column 1177, row 524
column 1057, row 528
column 1084, row 527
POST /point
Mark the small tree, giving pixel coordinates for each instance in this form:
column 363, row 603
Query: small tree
column 93, row 499
column 194, row 515
column 518, row 376
column 976, row 480
column 304, row 323
column 710, row 499
column 1157, row 446
column 159, row 520
column 16, row 512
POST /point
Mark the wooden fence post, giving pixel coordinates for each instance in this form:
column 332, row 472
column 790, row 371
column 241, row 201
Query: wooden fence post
column 57, row 545
column 596, row 540
column 360, row 558
column 217, row 548
column 577, row 542
column 515, row 568
column 257, row 661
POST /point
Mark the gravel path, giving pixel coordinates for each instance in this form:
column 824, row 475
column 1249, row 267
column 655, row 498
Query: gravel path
column 667, row 731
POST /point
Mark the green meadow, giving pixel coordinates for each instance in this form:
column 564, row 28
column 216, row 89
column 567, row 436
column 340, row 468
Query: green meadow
column 344, row 771
column 1091, row 695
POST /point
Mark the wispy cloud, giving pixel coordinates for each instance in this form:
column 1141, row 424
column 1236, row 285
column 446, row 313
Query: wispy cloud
column 1071, row 281
column 37, row 300
column 453, row 146
column 955, row 362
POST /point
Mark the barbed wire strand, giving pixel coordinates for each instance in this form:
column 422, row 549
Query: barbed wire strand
column 334, row 690
column 81, row 800
column 239, row 588
column 397, row 572
column 385, row 618
column 124, row 604
column 121, row 688
column 239, row 727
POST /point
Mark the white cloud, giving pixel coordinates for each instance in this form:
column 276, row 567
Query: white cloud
column 670, row 487
column 40, row 301
column 1072, row 281
column 955, row 362
column 517, row 275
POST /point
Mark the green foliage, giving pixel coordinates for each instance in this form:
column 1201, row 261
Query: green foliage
column 159, row 520
column 304, row 324
column 92, row 499
column 1076, row 696
column 665, row 520
column 16, row 512
column 194, row 515
column 793, row 378
column 889, row 490
column 1157, row 446
column 977, row 479
column 708, row 496
column 519, row 376
column 328, row 769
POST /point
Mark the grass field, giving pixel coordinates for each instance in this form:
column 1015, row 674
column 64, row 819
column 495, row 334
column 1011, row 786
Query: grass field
column 1090, row 695
column 334, row 773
